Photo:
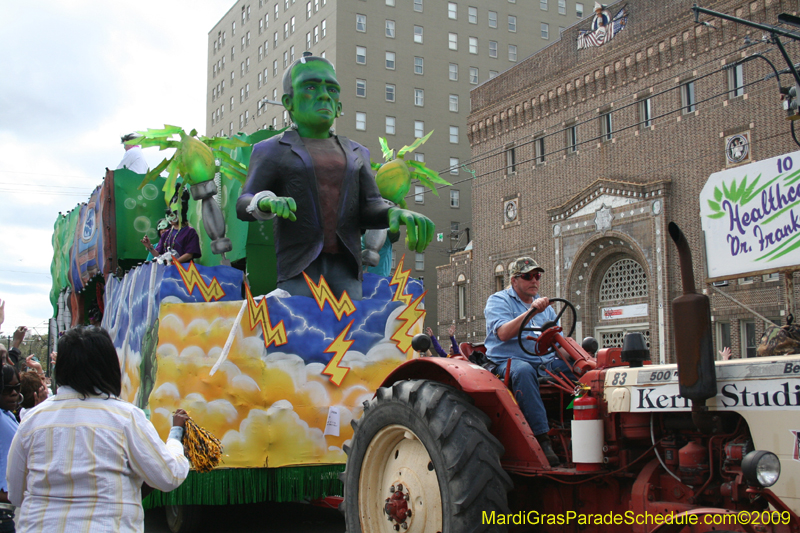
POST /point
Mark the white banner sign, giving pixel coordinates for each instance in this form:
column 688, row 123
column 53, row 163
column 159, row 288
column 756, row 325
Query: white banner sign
column 751, row 217
column 766, row 394
column 624, row 311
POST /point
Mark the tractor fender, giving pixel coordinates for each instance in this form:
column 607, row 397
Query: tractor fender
column 490, row 395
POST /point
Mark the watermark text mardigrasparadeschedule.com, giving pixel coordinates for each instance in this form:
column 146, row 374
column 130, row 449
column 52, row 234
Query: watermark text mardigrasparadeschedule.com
column 630, row 518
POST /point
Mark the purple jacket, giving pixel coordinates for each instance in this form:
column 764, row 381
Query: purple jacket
column 282, row 164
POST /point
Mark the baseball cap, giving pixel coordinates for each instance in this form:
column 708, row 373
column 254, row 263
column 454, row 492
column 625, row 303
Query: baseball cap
column 523, row 265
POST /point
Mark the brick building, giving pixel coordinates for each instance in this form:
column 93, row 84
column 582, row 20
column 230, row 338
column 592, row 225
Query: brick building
column 583, row 157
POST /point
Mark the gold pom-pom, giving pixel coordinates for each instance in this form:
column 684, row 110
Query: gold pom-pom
column 203, row 449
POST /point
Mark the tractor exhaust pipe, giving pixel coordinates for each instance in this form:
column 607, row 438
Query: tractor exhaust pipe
column 691, row 314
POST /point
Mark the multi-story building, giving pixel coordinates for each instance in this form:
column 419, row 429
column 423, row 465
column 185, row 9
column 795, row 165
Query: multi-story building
column 405, row 66
column 584, row 155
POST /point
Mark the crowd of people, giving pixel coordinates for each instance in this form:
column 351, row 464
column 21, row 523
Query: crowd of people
column 76, row 460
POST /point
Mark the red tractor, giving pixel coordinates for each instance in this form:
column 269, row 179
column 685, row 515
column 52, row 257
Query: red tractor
column 443, row 446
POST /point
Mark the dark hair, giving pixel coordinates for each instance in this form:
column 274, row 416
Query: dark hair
column 88, row 362
column 287, row 75
column 30, row 383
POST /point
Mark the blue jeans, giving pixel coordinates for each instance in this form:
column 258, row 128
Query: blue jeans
column 525, row 384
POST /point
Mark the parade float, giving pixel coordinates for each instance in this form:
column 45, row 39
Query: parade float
column 276, row 378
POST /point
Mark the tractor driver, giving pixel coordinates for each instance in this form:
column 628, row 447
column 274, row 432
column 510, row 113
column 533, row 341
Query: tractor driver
column 505, row 311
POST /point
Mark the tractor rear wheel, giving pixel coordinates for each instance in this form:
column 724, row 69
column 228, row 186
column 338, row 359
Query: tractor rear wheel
column 422, row 460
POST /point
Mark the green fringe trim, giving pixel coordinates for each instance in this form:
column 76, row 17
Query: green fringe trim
column 252, row 485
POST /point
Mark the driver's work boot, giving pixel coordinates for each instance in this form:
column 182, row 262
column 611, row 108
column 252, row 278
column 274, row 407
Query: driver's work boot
column 547, row 448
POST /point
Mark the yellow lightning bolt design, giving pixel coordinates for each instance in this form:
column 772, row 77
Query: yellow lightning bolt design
column 192, row 278
column 323, row 293
column 410, row 315
column 400, row 278
column 260, row 313
column 338, row 347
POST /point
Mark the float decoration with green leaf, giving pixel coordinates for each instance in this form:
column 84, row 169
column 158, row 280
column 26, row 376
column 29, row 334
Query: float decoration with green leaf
column 394, row 176
column 742, row 194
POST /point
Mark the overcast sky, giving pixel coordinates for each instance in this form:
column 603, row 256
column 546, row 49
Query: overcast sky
column 77, row 74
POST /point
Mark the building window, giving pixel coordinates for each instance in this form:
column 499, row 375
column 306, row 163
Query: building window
column 499, row 278
column 512, row 52
column 418, row 65
column 418, row 6
column 361, row 55
column 390, row 29
column 473, row 75
column 511, row 160
column 324, row 28
column 285, row 30
column 308, row 41
column 625, row 279
column 645, row 113
column 512, row 23
column 247, row 91
column 452, row 39
column 419, row 156
column 454, row 198
column 545, row 30
column 736, row 81
column 390, row 3
column 390, row 125
column 453, row 103
column 492, row 19
column 493, row 74
column 361, row 88
column 688, row 97
column 538, row 150
column 316, row 34
column 543, row 5
column 419, row 194
column 572, row 138
column 454, row 164
column 419, row 261
column 419, row 97
column 472, row 15
column 241, row 95
column 453, row 72
column 390, row 60
column 723, row 335
column 418, row 34
column 285, row 59
column 274, row 68
column 493, row 49
column 361, row 121
column 462, row 301
column 248, row 39
column 233, row 28
column 261, row 52
column 275, row 40
column 390, row 92
column 247, row 65
column 775, row 276
column 453, row 134
column 308, row 10
column 452, row 10
column 361, row 23
column 419, row 129
column 748, row 338
column 562, row 7
column 473, row 45
column 606, row 127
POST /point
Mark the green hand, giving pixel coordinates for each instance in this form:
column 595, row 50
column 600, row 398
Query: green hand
column 419, row 228
column 282, row 206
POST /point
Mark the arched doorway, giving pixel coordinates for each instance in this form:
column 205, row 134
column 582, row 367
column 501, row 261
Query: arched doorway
column 622, row 302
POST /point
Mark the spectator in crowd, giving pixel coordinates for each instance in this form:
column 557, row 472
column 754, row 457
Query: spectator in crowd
column 181, row 240
column 93, row 450
column 33, row 392
column 12, row 356
column 9, row 400
column 133, row 159
column 161, row 227
column 725, row 353
column 451, row 331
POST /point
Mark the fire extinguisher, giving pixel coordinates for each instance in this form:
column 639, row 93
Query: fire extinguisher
column 587, row 434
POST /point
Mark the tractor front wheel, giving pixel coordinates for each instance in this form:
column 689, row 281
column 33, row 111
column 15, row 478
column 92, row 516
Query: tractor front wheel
column 422, row 460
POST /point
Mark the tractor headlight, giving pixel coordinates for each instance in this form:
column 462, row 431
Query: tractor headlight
column 761, row 468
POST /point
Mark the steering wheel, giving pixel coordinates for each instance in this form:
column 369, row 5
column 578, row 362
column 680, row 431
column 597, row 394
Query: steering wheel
column 547, row 331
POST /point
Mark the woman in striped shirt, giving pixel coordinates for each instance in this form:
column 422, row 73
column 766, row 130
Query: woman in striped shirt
column 78, row 460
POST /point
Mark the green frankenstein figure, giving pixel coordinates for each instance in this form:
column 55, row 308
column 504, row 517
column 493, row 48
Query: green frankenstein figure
column 321, row 189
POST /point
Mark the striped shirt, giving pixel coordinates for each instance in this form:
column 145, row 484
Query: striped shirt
column 78, row 465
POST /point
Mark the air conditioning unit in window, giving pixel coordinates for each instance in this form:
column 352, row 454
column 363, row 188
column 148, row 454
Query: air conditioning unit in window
column 723, row 283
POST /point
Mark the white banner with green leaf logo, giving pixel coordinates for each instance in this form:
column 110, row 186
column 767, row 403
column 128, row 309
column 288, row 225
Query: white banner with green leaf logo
column 751, row 217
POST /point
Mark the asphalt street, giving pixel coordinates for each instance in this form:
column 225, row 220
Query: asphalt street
column 268, row 517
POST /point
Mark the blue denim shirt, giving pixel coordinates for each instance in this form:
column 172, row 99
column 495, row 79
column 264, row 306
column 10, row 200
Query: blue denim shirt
column 503, row 307
column 8, row 428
